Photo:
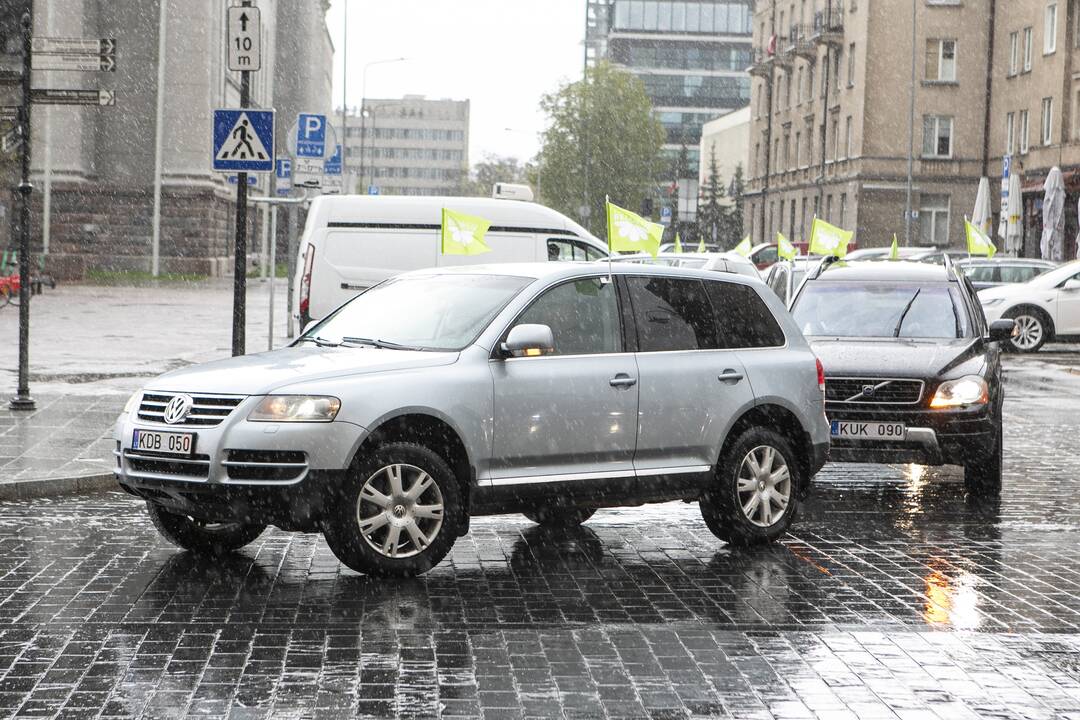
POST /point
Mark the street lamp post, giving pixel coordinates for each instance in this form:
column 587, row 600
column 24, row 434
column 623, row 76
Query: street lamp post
column 363, row 99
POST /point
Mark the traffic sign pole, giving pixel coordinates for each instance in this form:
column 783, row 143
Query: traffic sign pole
column 22, row 399
column 240, row 258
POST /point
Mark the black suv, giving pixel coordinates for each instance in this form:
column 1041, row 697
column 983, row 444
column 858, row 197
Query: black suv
column 912, row 371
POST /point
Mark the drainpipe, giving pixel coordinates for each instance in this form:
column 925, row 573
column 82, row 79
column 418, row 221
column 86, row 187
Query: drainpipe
column 768, row 125
column 989, row 89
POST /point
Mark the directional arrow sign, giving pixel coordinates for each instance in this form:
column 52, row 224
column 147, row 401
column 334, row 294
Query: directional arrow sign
column 48, row 96
column 84, row 63
column 245, row 38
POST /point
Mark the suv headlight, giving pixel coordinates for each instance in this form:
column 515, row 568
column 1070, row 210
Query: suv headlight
column 968, row 390
column 295, row 408
column 133, row 402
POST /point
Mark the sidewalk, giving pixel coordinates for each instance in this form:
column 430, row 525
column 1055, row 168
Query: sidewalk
column 90, row 348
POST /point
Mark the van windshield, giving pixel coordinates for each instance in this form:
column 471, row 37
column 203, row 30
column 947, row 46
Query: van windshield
column 426, row 312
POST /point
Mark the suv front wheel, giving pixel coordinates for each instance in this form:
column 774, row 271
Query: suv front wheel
column 200, row 536
column 753, row 497
column 398, row 512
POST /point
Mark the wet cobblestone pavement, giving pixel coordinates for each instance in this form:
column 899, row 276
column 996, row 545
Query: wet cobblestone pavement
column 894, row 596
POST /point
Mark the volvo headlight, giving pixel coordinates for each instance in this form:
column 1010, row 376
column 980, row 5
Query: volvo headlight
column 133, row 402
column 968, row 390
column 295, row 408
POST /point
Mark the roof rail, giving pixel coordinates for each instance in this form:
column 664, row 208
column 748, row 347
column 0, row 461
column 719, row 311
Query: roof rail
column 825, row 262
column 950, row 271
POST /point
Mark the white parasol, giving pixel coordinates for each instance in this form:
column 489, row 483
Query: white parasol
column 1052, row 245
column 1014, row 229
column 981, row 216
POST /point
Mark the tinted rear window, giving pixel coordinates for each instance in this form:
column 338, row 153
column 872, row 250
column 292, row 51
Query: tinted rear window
column 672, row 314
column 744, row 319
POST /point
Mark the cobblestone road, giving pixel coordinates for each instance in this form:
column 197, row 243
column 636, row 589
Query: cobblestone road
column 892, row 597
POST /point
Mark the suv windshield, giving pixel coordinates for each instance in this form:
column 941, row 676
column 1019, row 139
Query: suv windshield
column 847, row 309
column 428, row 312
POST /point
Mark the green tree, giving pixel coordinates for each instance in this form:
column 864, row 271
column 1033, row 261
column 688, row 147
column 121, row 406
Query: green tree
column 711, row 207
column 733, row 221
column 601, row 140
column 490, row 170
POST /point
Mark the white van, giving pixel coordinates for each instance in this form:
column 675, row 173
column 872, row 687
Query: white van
column 352, row 242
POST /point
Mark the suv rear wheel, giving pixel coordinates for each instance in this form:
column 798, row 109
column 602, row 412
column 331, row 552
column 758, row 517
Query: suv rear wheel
column 201, row 536
column 398, row 512
column 753, row 498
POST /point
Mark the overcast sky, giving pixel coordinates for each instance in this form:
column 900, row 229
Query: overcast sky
column 500, row 54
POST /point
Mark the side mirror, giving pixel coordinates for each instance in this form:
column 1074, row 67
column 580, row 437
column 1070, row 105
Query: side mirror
column 1071, row 284
column 1002, row 330
column 529, row 341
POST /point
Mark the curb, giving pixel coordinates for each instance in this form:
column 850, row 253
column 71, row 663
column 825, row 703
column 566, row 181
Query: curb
column 58, row 487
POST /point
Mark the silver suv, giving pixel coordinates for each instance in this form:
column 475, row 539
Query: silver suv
column 546, row 389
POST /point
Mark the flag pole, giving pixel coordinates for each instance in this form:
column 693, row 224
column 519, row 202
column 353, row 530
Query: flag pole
column 607, row 224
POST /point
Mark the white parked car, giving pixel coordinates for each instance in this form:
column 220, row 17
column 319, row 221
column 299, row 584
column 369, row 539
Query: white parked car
column 1044, row 308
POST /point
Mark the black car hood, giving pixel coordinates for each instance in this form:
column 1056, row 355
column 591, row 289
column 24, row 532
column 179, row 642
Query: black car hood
column 885, row 357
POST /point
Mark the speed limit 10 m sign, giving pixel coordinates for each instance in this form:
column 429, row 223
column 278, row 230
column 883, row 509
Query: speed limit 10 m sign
column 245, row 46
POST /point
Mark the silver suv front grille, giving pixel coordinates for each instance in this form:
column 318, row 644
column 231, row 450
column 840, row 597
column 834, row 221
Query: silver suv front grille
column 873, row 391
column 207, row 410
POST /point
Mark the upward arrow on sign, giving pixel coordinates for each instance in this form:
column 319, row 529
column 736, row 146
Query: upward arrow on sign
column 243, row 22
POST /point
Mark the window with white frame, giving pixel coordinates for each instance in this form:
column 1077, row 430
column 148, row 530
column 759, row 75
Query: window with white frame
column 1023, row 132
column 937, row 136
column 1028, row 44
column 1047, row 120
column 934, row 220
column 1050, row 29
column 1014, row 52
column 1010, row 133
column 941, row 60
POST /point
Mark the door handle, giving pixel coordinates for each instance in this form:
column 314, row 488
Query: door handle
column 730, row 376
column 622, row 380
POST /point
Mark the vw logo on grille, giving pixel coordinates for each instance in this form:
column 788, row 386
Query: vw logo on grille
column 178, row 409
column 868, row 390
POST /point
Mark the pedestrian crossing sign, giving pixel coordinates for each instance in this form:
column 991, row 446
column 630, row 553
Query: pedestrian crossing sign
column 243, row 140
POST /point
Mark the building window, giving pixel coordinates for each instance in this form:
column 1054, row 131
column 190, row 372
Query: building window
column 1050, row 29
column 1023, row 132
column 851, row 65
column 1076, row 116
column 791, row 219
column 1028, row 43
column 1010, row 133
column 836, row 136
column 798, row 149
column 798, row 90
column 934, row 220
column 802, row 218
column 843, row 209
column 941, row 60
column 1014, row 52
column 1047, row 120
column 836, row 68
column 828, row 209
column 847, row 137
column 937, row 136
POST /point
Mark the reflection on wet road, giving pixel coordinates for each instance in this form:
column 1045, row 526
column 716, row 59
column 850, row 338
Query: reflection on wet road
column 895, row 596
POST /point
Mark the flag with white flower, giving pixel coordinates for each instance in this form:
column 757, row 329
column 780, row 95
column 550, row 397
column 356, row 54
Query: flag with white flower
column 826, row 239
column 463, row 234
column 785, row 248
column 628, row 232
column 978, row 243
column 744, row 248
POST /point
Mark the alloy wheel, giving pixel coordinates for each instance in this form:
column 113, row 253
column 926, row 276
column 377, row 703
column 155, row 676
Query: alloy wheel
column 399, row 510
column 764, row 485
column 1029, row 332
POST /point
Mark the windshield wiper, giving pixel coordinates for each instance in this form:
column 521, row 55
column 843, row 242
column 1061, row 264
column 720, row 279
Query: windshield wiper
column 374, row 342
column 896, row 331
column 321, row 342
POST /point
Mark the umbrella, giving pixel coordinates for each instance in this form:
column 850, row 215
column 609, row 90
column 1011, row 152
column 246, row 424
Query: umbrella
column 981, row 215
column 1052, row 245
column 1014, row 230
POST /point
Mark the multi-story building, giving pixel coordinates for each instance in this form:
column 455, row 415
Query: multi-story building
column 408, row 146
column 692, row 56
column 94, row 167
column 834, row 110
column 727, row 139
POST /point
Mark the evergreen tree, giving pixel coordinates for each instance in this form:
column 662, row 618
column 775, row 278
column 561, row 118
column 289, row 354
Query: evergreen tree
column 711, row 210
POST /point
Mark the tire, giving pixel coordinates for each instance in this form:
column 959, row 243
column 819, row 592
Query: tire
column 736, row 485
column 375, row 528
column 201, row 537
column 554, row 517
column 1032, row 327
column 982, row 473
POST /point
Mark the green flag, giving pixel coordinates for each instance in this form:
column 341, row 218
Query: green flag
column 977, row 241
column 678, row 243
column 631, row 233
column 894, row 253
column 826, row 239
column 701, row 246
column 463, row 234
column 784, row 248
column 744, row 247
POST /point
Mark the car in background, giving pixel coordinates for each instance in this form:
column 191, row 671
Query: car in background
column 991, row 272
column 690, row 247
column 1046, row 307
column 718, row 262
column 912, row 369
column 884, row 253
column 936, row 256
column 547, row 389
column 783, row 277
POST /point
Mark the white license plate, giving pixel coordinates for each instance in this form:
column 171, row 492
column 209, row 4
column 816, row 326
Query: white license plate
column 868, row 430
column 173, row 443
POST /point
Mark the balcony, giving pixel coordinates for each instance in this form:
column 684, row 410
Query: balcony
column 761, row 63
column 783, row 57
column 799, row 43
column 828, row 26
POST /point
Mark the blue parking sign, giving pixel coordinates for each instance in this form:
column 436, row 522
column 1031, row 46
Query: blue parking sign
column 332, row 166
column 310, row 135
column 243, row 140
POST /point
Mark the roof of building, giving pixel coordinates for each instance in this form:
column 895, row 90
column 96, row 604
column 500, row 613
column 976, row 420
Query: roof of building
column 725, row 122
